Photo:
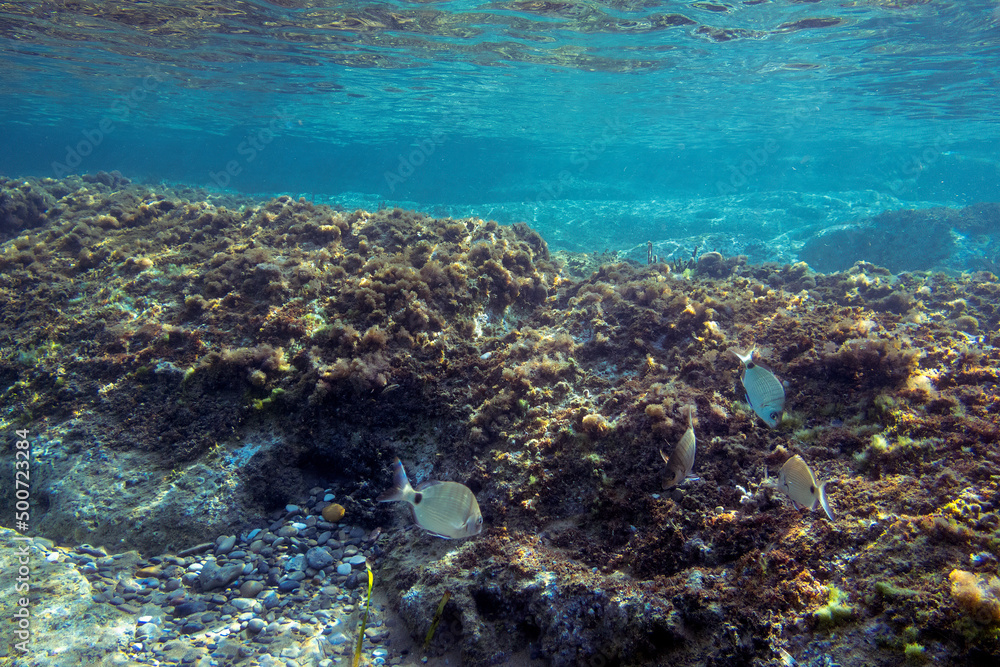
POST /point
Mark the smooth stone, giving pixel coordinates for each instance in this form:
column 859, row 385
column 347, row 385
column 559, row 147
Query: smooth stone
column 190, row 607
column 271, row 600
column 251, row 589
column 243, row 604
column 225, row 544
column 256, row 625
column 295, row 563
column 212, row 576
column 337, row 638
column 357, row 560
column 319, row 558
column 288, row 585
column 256, row 546
column 344, row 569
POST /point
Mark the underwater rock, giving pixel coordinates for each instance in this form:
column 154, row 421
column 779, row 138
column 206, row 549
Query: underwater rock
column 22, row 207
column 904, row 240
column 53, row 642
column 266, row 346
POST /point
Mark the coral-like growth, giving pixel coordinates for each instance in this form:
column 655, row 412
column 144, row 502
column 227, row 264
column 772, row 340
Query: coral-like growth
column 835, row 611
column 977, row 595
column 146, row 323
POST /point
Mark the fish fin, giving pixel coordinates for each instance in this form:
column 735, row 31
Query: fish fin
column 666, row 459
column 824, row 502
column 443, row 537
column 692, row 479
column 399, row 484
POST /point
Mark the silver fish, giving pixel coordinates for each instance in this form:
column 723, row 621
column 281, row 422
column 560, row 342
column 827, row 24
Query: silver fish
column 681, row 462
column 786, row 658
column 445, row 509
column 764, row 392
column 797, row 480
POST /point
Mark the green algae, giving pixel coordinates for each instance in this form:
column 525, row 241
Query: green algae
column 888, row 590
column 835, row 611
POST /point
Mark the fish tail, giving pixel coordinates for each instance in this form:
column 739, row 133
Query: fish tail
column 400, row 484
column 823, row 501
column 745, row 357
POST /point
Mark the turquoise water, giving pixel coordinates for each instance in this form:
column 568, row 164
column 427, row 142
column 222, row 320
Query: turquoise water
column 601, row 123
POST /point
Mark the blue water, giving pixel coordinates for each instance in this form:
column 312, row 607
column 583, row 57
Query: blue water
column 625, row 119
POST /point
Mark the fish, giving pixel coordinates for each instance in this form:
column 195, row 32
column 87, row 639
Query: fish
column 786, row 658
column 764, row 392
column 798, row 482
column 681, row 461
column 444, row 509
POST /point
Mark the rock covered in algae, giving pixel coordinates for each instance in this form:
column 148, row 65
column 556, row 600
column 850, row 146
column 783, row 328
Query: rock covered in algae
column 221, row 357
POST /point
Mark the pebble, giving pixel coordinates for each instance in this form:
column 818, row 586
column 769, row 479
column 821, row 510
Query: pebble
column 319, row 558
column 225, row 544
column 243, row 604
column 190, row 607
column 288, row 585
column 265, row 596
column 212, row 576
column 251, row 589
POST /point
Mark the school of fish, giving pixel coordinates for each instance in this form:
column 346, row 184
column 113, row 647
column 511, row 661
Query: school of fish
column 450, row 509
column 766, row 396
